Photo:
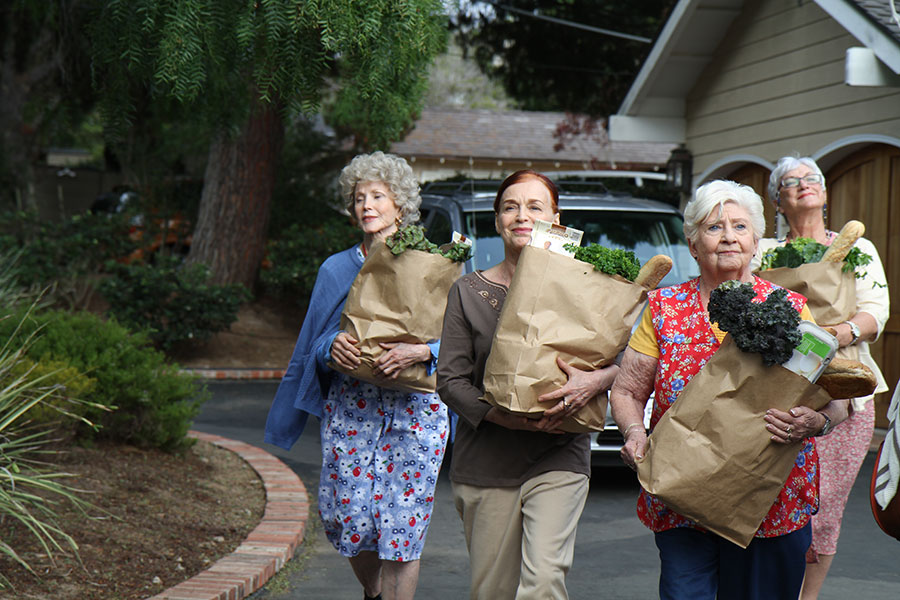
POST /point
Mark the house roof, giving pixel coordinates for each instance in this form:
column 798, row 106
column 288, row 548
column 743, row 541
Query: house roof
column 654, row 107
column 518, row 135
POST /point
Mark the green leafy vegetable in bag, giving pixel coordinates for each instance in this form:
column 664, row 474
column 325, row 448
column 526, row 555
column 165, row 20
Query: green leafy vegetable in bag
column 770, row 328
column 610, row 261
column 412, row 237
column 803, row 251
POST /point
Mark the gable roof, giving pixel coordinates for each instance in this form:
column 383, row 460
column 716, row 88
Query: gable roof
column 519, row 135
column 654, row 108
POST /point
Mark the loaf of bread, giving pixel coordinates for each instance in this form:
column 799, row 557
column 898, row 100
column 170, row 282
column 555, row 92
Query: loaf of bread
column 850, row 232
column 844, row 378
column 653, row 271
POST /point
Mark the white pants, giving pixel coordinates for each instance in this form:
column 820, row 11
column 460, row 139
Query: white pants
column 521, row 540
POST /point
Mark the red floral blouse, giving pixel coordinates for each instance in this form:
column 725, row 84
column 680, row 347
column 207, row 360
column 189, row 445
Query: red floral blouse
column 686, row 341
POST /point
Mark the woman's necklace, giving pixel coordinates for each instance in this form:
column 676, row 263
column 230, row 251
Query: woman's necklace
column 829, row 237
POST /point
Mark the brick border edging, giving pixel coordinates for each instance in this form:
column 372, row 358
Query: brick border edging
column 268, row 547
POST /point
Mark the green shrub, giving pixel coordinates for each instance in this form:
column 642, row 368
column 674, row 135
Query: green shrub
column 67, row 257
column 68, row 385
column 154, row 403
column 172, row 302
column 29, row 489
column 298, row 253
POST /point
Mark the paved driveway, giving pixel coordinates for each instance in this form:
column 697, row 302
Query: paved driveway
column 615, row 557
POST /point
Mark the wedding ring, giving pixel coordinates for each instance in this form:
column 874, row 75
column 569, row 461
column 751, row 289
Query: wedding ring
column 565, row 404
column 789, row 437
column 790, row 429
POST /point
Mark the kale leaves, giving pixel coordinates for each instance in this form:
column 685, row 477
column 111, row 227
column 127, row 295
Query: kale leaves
column 806, row 250
column 769, row 328
column 412, row 237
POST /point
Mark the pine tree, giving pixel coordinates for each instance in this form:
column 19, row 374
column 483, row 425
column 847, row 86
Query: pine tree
column 245, row 65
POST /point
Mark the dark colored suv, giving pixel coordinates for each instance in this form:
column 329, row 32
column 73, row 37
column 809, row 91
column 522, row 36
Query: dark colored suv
column 614, row 220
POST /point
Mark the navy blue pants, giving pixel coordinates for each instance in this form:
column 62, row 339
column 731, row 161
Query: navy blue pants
column 698, row 565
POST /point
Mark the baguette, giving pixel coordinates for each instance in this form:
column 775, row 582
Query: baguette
column 653, row 271
column 850, row 232
column 844, row 378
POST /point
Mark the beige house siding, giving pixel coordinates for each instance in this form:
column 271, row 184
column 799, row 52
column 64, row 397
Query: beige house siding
column 777, row 88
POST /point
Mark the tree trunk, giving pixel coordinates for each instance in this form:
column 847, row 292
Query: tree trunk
column 230, row 235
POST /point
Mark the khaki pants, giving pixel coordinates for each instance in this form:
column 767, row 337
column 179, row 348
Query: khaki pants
column 521, row 540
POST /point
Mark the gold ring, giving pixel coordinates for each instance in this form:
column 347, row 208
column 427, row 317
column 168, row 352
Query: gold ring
column 565, row 404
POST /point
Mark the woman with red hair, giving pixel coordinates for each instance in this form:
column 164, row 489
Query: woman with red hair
column 519, row 484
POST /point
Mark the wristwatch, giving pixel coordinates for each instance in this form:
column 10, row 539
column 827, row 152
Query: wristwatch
column 825, row 428
column 854, row 331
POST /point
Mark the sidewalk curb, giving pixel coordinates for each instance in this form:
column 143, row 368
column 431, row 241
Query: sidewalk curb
column 268, row 547
column 214, row 373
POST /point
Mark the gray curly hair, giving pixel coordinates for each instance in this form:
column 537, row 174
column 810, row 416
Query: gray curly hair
column 390, row 169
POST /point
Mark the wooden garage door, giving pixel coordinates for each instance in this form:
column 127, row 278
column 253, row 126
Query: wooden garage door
column 757, row 177
column 866, row 186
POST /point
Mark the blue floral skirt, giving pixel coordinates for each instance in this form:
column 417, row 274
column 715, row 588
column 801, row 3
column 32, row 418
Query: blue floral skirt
column 381, row 454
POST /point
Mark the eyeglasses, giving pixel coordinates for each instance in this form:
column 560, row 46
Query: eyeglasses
column 811, row 179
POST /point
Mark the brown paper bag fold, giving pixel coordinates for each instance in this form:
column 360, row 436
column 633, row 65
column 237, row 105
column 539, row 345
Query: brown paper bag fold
column 397, row 298
column 557, row 306
column 710, row 457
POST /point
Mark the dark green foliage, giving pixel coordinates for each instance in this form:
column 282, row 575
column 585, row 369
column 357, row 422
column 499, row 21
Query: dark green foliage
column 170, row 301
column 154, row 403
column 65, row 256
column 549, row 66
column 305, row 184
column 610, row 261
column 412, row 237
column 769, row 328
column 806, row 250
column 298, row 252
column 216, row 57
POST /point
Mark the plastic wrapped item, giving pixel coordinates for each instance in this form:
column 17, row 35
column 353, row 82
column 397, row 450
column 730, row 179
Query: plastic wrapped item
column 816, row 349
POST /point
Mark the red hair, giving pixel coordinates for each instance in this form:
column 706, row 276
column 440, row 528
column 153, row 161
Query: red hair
column 524, row 175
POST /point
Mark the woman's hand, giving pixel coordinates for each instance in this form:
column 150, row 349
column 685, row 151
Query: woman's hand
column 511, row 421
column 399, row 356
column 344, row 351
column 802, row 422
column 580, row 388
column 635, row 446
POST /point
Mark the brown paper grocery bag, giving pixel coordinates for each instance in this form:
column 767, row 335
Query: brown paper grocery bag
column 397, row 298
column 829, row 291
column 710, row 456
column 557, row 306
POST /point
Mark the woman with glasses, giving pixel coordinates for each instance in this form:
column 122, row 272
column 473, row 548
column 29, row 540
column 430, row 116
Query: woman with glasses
column 797, row 188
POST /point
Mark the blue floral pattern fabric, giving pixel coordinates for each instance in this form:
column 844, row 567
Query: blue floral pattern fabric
column 381, row 454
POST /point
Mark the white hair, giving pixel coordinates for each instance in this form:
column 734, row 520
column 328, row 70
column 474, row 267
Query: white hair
column 389, row 169
column 715, row 194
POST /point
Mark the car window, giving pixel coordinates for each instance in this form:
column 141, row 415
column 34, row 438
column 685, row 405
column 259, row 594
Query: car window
column 644, row 233
column 437, row 225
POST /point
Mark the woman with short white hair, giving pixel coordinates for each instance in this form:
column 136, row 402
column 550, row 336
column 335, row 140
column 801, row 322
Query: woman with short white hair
column 673, row 340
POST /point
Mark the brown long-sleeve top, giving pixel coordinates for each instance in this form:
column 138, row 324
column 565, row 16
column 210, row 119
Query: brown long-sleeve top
column 486, row 454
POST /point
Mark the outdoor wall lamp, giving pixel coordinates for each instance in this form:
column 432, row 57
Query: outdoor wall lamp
column 679, row 169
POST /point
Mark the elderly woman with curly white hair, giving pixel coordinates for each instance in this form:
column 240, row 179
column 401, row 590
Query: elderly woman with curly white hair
column 674, row 339
column 381, row 449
